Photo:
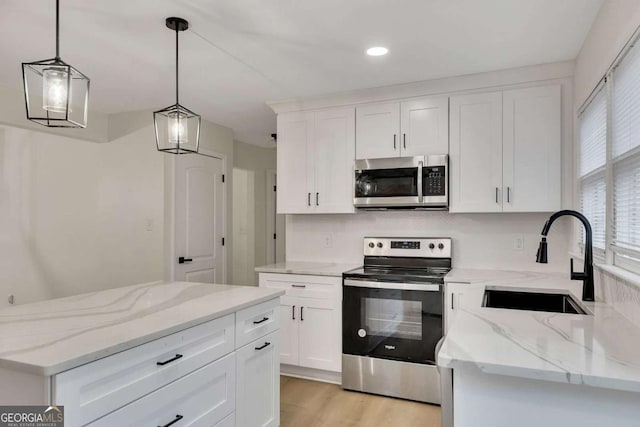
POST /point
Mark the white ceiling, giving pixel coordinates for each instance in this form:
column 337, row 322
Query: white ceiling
column 296, row 47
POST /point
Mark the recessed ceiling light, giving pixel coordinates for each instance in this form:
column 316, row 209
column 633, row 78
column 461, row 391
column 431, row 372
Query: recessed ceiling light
column 377, row 51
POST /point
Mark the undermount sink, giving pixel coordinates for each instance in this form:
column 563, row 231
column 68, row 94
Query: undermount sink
column 524, row 299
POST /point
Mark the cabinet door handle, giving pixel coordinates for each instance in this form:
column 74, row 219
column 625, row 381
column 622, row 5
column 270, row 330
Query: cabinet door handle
column 293, row 312
column 298, row 286
column 404, row 140
column 301, row 314
column 496, row 194
column 452, row 301
column 266, row 344
column 173, row 359
column 508, row 194
column 308, row 199
column 182, row 260
column 394, row 141
column 175, row 420
column 317, row 202
column 257, row 322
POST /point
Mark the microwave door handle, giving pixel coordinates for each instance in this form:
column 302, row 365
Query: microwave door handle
column 420, row 195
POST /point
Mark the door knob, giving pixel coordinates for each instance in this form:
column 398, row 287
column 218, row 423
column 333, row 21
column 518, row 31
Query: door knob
column 182, row 260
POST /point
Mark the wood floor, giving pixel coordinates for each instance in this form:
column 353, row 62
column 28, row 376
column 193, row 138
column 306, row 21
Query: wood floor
column 305, row 403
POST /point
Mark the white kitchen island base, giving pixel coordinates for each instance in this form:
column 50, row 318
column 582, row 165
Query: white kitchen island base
column 492, row 400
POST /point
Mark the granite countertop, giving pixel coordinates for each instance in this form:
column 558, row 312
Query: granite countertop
column 311, row 268
column 52, row 336
column 599, row 350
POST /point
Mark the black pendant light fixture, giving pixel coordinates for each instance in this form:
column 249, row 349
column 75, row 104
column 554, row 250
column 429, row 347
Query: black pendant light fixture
column 177, row 128
column 55, row 93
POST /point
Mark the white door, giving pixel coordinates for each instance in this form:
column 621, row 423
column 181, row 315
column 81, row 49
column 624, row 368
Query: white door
column 425, row 126
column 289, row 322
column 199, row 219
column 295, row 164
column 532, row 149
column 476, row 153
column 258, row 383
column 319, row 326
column 334, row 156
column 378, row 131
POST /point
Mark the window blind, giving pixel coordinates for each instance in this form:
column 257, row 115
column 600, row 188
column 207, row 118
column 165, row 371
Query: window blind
column 593, row 205
column 626, row 203
column 625, row 104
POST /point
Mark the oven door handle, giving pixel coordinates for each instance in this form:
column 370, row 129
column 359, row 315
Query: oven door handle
column 428, row 287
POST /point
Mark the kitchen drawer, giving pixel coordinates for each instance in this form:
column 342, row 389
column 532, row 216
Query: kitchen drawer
column 256, row 321
column 297, row 285
column 202, row 398
column 97, row 388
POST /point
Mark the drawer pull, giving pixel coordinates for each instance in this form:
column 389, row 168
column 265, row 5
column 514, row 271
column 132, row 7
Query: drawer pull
column 266, row 344
column 257, row 322
column 178, row 356
column 293, row 312
column 302, row 314
column 177, row 418
column 298, row 286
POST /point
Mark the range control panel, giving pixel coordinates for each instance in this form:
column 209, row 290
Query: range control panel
column 424, row 247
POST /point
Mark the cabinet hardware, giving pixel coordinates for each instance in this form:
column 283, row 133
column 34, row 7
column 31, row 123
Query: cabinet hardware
column 452, row 301
column 177, row 418
column 394, row 141
column 257, row 322
column 301, row 314
column 308, row 199
column 404, row 140
column 266, row 344
column 508, row 194
column 317, row 202
column 182, row 260
column 496, row 194
column 173, row 359
column 298, row 286
column 293, row 312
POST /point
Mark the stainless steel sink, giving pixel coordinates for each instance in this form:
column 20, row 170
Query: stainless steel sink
column 533, row 300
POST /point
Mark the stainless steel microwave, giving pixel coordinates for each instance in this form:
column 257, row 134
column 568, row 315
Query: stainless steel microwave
column 420, row 182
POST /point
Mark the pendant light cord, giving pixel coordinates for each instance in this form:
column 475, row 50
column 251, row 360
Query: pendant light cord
column 177, row 66
column 57, row 29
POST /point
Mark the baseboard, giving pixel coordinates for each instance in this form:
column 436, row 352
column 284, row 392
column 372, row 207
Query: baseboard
column 311, row 374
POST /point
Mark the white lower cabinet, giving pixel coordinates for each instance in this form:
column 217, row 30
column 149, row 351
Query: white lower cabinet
column 319, row 348
column 258, row 388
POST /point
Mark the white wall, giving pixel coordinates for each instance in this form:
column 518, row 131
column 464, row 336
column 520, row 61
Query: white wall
column 77, row 216
column 243, row 226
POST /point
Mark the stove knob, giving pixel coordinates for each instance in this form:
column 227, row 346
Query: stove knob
column 440, row 246
column 371, row 245
column 431, row 246
column 379, row 244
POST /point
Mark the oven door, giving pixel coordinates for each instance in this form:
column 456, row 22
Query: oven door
column 388, row 182
column 392, row 320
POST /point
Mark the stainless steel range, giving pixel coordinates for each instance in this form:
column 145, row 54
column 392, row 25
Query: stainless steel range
column 392, row 318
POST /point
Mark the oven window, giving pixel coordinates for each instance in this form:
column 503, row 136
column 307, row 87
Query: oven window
column 393, row 318
column 401, row 182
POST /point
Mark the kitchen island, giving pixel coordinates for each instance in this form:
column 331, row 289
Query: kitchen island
column 147, row 354
column 527, row 368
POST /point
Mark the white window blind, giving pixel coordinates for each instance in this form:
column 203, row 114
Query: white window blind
column 625, row 104
column 626, row 203
column 592, row 172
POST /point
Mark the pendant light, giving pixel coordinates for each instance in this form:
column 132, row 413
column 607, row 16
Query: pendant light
column 55, row 93
column 177, row 128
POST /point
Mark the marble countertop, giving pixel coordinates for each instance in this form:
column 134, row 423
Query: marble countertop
column 312, row 268
column 599, row 350
column 52, row 336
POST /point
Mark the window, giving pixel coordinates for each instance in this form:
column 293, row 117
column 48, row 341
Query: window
column 609, row 162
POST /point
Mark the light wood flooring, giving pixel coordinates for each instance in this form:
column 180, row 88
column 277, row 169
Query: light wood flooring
column 305, row 403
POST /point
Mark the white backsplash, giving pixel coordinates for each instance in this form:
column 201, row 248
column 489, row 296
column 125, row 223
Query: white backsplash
column 479, row 240
column 619, row 293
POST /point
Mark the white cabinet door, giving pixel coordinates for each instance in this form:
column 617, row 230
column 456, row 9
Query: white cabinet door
column 425, row 127
column 320, row 326
column 452, row 302
column 289, row 321
column 476, row 153
column 295, row 165
column 378, row 131
column 258, row 383
column 532, row 149
column 333, row 158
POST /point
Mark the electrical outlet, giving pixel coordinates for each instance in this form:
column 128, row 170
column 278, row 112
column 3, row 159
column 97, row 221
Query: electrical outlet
column 518, row 243
column 328, row 241
column 11, row 299
column 148, row 224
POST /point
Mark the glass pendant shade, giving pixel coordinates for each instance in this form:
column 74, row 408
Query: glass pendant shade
column 177, row 130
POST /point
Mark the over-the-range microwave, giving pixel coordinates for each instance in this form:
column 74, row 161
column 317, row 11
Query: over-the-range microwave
column 419, row 182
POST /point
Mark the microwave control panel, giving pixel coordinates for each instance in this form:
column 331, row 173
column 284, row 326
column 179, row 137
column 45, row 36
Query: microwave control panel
column 433, row 181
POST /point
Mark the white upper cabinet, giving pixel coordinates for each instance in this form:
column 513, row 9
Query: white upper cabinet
column 378, row 131
column 425, row 126
column 402, row 129
column 315, row 161
column 505, row 151
column 476, row 153
column 532, row 150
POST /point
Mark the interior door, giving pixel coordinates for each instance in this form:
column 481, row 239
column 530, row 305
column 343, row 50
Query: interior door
column 378, row 131
column 334, row 154
column 476, row 153
column 532, row 149
column 319, row 325
column 199, row 219
column 289, row 322
column 425, row 127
